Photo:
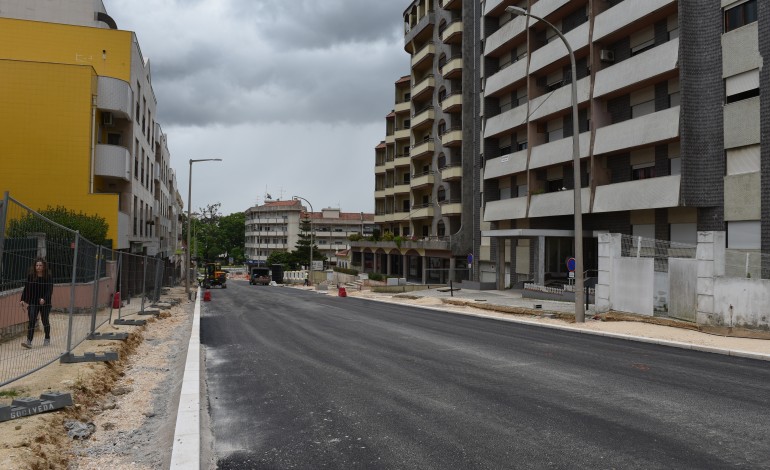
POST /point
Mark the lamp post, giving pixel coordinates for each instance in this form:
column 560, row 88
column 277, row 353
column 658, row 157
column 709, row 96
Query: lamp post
column 309, row 266
column 188, row 263
column 579, row 282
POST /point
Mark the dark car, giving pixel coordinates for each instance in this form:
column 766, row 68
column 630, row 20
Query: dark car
column 261, row 276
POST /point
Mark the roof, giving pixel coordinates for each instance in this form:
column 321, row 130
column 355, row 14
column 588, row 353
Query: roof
column 356, row 216
column 282, row 203
column 391, row 115
column 381, row 145
column 403, row 79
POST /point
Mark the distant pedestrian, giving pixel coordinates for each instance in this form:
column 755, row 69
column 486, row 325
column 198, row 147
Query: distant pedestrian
column 307, row 280
column 36, row 299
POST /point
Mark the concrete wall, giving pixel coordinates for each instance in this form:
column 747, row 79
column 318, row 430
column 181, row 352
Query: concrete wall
column 633, row 285
column 683, row 288
column 742, row 303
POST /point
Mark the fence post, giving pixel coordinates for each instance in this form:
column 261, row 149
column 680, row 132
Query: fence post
column 72, row 290
column 96, row 290
column 121, row 278
column 158, row 278
column 3, row 217
column 144, row 281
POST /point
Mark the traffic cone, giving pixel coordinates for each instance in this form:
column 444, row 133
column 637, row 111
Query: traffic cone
column 116, row 300
column 207, row 295
column 342, row 292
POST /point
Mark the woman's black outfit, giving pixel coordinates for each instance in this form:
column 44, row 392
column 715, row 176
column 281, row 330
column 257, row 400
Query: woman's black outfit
column 36, row 288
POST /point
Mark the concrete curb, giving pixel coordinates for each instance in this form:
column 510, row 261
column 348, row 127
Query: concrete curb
column 640, row 339
column 186, row 449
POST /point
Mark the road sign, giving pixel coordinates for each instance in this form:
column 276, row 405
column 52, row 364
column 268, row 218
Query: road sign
column 571, row 265
column 470, row 258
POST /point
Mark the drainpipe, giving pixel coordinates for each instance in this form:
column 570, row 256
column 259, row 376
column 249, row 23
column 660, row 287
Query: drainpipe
column 93, row 144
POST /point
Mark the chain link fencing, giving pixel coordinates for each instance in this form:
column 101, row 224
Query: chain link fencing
column 80, row 287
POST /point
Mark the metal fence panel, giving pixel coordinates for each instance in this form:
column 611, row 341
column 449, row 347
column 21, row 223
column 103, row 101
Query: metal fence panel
column 86, row 280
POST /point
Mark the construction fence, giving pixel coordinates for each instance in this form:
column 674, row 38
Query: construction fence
column 78, row 287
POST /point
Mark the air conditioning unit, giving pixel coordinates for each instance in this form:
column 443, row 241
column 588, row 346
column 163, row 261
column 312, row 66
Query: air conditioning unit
column 607, row 55
column 107, row 119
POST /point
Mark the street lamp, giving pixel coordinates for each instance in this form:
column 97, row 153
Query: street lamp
column 579, row 282
column 309, row 266
column 188, row 264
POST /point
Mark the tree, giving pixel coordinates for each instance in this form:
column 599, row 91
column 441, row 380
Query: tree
column 302, row 250
column 232, row 236
column 286, row 259
column 93, row 228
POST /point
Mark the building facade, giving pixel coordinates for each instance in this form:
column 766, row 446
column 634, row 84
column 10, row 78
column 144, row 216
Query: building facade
column 79, row 114
column 276, row 226
column 670, row 124
column 426, row 174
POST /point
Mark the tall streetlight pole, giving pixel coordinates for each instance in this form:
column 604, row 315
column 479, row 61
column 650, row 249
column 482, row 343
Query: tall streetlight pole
column 579, row 282
column 309, row 266
column 188, row 263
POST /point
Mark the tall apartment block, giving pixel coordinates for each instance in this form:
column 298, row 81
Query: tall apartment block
column 79, row 123
column 426, row 173
column 673, row 107
column 275, row 226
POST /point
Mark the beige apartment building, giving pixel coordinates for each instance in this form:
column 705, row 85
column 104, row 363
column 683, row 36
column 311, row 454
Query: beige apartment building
column 275, row 226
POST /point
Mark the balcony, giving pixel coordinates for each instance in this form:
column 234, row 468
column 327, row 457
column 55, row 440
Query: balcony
column 558, row 151
column 555, row 50
column 509, row 33
column 422, row 211
column 452, row 137
column 423, row 118
column 402, row 189
column 115, row 96
column 422, row 148
column 453, row 68
column 421, row 30
column 621, row 15
column 646, row 130
column 380, row 219
column 379, row 167
column 452, row 173
column 451, row 208
column 506, row 209
column 112, row 161
column 401, row 134
column 424, row 88
column 504, row 78
column 506, row 165
column 401, row 160
column 451, row 4
column 651, row 193
column 424, row 57
column 560, row 99
column 402, row 107
column 504, row 122
column 427, row 244
column 638, row 69
column 422, row 180
column 452, row 103
column 453, row 33
column 558, row 203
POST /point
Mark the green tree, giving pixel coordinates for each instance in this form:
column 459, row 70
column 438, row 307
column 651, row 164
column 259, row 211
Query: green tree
column 287, row 259
column 232, row 236
column 93, row 228
column 302, row 248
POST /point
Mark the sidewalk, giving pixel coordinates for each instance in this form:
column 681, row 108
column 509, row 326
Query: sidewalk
column 509, row 305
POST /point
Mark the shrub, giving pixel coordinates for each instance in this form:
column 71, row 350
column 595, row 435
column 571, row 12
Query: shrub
column 354, row 272
column 377, row 277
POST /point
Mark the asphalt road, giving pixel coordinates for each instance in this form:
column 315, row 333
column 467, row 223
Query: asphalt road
column 301, row 380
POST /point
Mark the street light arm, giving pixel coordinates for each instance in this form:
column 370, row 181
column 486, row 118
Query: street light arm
column 188, row 263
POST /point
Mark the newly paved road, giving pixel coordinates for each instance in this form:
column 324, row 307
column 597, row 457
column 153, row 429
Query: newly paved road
column 301, row 380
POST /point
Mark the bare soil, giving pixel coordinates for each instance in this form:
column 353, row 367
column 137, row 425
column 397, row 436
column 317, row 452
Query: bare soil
column 130, row 402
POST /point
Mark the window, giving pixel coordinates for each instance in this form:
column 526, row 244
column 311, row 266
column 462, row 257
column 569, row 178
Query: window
column 644, row 171
column 740, row 15
column 742, row 86
column 521, row 145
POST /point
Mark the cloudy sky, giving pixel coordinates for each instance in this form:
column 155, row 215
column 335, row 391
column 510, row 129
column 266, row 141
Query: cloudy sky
column 291, row 94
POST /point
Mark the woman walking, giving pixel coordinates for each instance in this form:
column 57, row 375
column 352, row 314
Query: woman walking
column 36, row 298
